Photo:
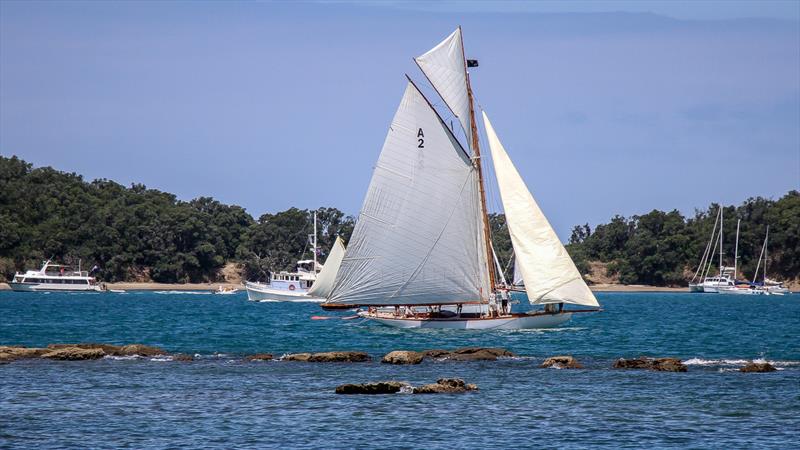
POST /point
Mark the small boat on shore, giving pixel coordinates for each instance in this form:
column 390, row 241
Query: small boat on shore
column 421, row 251
column 55, row 277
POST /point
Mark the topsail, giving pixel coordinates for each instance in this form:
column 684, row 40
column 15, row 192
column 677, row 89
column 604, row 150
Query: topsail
column 547, row 270
column 444, row 67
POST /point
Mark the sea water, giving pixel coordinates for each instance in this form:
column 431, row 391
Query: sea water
column 219, row 400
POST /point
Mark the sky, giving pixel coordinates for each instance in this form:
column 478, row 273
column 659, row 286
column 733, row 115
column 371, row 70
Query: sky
column 606, row 107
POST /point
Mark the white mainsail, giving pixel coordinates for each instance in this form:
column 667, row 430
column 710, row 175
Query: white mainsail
column 324, row 283
column 444, row 66
column 547, row 270
column 417, row 240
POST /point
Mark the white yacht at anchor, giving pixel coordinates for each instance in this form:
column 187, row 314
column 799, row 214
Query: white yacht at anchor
column 55, row 277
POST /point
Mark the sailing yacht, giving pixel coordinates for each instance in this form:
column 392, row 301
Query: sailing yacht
column 766, row 287
column 701, row 281
column 421, row 252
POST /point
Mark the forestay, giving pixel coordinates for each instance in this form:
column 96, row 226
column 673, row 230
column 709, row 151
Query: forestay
column 417, row 238
column 324, row 283
column 547, row 270
column 445, row 68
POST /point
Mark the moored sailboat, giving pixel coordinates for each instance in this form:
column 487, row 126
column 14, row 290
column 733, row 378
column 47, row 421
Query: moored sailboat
column 421, row 251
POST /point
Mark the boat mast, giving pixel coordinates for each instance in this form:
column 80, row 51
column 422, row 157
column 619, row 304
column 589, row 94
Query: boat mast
column 721, row 227
column 766, row 239
column 315, row 243
column 736, row 251
column 477, row 158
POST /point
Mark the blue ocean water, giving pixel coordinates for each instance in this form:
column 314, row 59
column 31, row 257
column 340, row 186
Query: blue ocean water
column 219, row 400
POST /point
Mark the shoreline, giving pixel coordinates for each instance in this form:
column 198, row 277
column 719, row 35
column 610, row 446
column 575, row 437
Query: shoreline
column 151, row 286
column 140, row 286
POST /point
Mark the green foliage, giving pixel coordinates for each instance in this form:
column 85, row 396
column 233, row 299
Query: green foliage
column 138, row 233
column 664, row 248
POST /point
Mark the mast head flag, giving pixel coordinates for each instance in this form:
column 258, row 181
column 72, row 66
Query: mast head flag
column 472, row 63
column 446, row 70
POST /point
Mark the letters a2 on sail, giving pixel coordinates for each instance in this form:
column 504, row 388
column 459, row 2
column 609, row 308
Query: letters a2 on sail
column 420, row 254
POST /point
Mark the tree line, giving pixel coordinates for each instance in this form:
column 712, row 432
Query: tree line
column 140, row 234
column 664, row 248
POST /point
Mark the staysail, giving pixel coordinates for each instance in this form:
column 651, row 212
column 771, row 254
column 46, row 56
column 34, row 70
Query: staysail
column 547, row 270
column 517, row 275
column 417, row 240
column 324, row 283
column 444, row 66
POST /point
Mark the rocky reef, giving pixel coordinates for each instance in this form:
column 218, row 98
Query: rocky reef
column 561, row 362
column 657, row 364
column 442, row 386
column 755, row 367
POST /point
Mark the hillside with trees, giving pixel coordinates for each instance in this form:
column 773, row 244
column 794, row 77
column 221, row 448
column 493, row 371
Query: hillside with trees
column 140, row 234
column 663, row 248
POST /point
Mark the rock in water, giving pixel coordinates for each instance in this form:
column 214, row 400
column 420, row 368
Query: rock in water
column 340, row 357
column 446, row 386
column 562, row 362
column 302, row 357
column 469, row 354
column 115, row 350
column 328, row 357
column 403, row 357
column 139, row 350
column 436, row 353
column 755, row 367
column 669, row 365
column 10, row 353
column 259, row 357
column 74, row 354
column 182, row 357
column 658, row 364
column 381, row 387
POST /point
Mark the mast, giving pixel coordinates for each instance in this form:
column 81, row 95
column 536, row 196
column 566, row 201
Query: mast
column 766, row 239
column 736, row 251
column 721, row 226
column 315, row 242
column 487, row 236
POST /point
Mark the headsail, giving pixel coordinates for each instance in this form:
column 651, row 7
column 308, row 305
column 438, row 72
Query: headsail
column 547, row 270
column 324, row 283
column 517, row 275
column 445, row 68
column 418, row 235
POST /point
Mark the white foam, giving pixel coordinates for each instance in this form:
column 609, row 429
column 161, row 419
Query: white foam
column 737, row 362
column 122, row 358
column 184, row 292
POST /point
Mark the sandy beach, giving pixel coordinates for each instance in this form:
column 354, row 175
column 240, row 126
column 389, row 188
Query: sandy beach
column 161, row 286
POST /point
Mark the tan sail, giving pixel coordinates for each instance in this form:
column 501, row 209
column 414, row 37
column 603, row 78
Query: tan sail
column 549, row 274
